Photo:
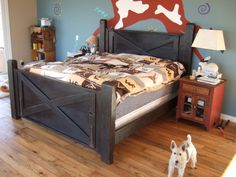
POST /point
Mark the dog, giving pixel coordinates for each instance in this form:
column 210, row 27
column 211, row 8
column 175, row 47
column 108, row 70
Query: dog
column 181, row 155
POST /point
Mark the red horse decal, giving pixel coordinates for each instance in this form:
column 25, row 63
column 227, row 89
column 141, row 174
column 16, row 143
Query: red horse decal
column 169, row 12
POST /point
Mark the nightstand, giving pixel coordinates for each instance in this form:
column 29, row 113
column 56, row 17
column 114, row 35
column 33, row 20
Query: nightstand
column 200, row 102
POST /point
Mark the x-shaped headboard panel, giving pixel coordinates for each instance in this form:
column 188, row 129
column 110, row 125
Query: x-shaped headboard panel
column 140, row 42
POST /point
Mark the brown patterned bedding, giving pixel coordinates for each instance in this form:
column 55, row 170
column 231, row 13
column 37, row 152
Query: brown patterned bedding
column 131, row 74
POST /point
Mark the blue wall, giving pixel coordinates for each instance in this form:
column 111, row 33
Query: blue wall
column 79, row 17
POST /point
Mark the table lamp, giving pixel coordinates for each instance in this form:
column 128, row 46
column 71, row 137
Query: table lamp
column 211, row 40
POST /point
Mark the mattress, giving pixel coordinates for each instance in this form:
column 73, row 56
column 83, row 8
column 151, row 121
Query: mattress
column 134, row 107
column 124, row 120
column 132, row 103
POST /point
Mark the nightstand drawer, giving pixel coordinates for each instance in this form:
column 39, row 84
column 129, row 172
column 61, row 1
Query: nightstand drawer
column 203, row 91
column 195, row 89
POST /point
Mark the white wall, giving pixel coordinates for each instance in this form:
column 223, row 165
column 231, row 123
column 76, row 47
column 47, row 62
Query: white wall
column 2, row 61
column 1, row 31
column 22, row 15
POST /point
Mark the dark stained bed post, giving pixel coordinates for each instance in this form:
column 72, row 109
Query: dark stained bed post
column 107, row 121
column 13, row 85
column 185, row 50
column 102, row 38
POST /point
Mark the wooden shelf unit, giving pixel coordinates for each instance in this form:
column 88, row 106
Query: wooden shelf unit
column 43, row 43
column 200, row 102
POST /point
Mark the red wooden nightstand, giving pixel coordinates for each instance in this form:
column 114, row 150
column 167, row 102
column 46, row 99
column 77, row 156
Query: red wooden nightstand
column 200, row 102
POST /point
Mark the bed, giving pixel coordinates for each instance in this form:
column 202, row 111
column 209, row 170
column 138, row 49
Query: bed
column 93, row 117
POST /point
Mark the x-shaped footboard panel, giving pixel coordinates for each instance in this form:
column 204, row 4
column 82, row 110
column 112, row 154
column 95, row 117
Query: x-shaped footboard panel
column 73, row 115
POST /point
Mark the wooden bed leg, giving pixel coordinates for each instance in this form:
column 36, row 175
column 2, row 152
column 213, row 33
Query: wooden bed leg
column 107, row 123
column 13, row 86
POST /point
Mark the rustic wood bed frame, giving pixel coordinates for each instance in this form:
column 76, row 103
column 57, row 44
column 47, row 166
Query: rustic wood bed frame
column 88, row 115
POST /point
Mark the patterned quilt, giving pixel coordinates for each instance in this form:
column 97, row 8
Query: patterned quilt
column 130, row 74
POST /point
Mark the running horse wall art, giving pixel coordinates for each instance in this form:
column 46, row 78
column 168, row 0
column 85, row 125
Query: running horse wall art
column 169, row 12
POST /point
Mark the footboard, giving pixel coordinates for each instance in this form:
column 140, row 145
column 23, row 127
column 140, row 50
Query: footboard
column 60, row 106
column 83, row 114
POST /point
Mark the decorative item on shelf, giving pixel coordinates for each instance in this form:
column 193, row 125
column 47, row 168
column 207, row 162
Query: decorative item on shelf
column 41, row 56
column 46, row 22
column 211, row 40
column 92, row 43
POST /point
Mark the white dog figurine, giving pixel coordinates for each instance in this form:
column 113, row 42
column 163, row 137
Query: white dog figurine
column 181, row 155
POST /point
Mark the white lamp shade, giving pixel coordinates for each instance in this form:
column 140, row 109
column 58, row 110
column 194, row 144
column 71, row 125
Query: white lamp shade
column 209, row 39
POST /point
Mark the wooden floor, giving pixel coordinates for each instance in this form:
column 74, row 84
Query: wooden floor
column 27, row 149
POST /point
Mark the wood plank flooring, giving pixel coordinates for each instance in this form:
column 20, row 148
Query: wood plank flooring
column 29, row 150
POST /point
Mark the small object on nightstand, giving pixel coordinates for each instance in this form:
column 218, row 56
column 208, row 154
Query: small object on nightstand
column 200, row 102
column 192, row 77
column 92, row 43
column 84, row 49
column 93, row 49
column 208, row 80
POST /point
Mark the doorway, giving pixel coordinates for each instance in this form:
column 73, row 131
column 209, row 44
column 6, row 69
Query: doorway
column 5, row 39
column 5, row 47
column 2, row 53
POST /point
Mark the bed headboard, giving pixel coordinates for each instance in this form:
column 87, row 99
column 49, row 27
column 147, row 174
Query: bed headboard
column 163, row 45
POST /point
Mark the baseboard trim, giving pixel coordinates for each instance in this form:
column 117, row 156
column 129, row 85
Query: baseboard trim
column 228, row 117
